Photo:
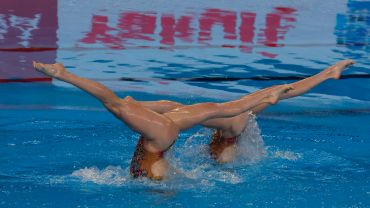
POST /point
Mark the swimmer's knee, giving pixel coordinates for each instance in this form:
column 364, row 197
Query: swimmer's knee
column 228, row 155
column 122, row 103
column 159, row 169
column 167, row 132
column 171, row 130
column 239, row 123
column 116, row 105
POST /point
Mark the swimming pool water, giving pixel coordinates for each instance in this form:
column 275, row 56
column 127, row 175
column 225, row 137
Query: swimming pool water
column 60, row 148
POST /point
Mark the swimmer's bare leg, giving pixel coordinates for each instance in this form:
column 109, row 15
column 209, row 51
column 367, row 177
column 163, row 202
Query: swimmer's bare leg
column 332, row 72
column 228, row 126
column 304, row 85
column 188, row 116
column 57, row 71
column 164, row 106
column 231, row 127
column 142, row 120
column 161, row 106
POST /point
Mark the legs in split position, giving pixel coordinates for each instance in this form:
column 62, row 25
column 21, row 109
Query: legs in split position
column 187, row 116
column 159, row 122
column 161, row 129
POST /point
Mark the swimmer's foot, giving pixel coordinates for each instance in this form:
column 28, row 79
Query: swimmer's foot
column 336, row 70
column 51, row 70
column 277, row 92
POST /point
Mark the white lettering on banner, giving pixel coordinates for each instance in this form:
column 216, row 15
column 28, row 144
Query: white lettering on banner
column 3, row 26
column 26, row 25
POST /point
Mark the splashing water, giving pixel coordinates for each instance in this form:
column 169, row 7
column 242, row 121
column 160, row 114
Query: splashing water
column 287, row 155
column 251, row 148
column 192, row 161
column 111, row 175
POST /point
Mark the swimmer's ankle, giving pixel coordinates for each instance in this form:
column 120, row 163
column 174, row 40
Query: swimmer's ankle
column 277, row 92
column 61, row 71
column 272, row 99
column 335, row 71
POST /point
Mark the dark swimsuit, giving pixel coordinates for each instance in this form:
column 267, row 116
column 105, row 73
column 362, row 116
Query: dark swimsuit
column 142, row 161
column 218, row 144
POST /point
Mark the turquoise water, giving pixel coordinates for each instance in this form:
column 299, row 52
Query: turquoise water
column 60, row 148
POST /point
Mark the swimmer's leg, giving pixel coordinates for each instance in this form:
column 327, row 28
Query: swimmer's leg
column 231, row 127
column 99, row 91
column 332, row 72
column 304, row 85
column 188, row 116
column 164, row 106
column 161, row 106
column 153, row 126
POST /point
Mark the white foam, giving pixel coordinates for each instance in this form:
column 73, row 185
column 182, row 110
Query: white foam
column 111, row 175
column 207, row 174
column 35, row 142
column 287, row 155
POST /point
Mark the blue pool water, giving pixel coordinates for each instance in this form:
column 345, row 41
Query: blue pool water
column 60, row 148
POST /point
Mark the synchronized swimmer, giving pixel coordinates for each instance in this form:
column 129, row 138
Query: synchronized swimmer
column 159, row 122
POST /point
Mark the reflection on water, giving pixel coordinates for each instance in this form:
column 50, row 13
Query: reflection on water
column 28, row 31
column 214, row 39
column 190, row 28
column 353, row 28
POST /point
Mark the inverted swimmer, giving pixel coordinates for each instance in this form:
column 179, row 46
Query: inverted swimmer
column 159, row 123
